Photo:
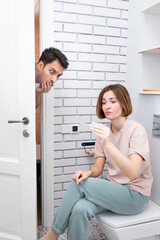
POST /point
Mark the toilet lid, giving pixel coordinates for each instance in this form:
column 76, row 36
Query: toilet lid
column 151, row 213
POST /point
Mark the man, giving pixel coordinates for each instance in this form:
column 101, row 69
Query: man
column 48, row 69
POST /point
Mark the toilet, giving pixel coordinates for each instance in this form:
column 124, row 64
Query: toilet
column 143, row 226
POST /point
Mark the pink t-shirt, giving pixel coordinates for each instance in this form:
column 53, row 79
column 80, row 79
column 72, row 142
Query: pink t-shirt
column 132, row 138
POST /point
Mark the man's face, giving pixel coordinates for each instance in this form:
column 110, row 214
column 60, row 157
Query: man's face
column 50, row 72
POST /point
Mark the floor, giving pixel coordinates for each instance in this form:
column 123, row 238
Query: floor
column 94, row 233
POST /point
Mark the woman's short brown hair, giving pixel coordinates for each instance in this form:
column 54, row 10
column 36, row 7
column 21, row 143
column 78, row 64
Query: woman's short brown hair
column 122, row 96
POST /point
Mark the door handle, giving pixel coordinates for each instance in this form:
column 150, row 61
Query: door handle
column 25, row 121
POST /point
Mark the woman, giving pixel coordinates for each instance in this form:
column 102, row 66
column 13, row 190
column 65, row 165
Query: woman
column 124, row 145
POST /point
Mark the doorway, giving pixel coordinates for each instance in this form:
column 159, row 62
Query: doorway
column 44, row 118
column 38, row 121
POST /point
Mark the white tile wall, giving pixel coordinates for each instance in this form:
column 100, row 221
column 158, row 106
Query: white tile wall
column 93, row 35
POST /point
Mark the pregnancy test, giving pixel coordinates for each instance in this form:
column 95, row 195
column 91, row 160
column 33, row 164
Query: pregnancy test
column 85, row 124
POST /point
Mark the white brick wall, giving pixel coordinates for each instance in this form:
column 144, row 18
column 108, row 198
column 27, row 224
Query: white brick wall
column 93, row 35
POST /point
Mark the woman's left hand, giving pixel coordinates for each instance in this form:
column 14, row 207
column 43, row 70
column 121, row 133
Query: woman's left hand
column 79, row 176
column 101, row 131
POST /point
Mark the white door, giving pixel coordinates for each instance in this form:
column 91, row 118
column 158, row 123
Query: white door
column 17, row 100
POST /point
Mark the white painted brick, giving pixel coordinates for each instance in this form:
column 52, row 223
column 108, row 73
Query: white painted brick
column 71, row 1
column 91, row 39
column 116, row 41
column 57, row 120
column 115, row 76
column 58, row 27
column 77, row 28
column 121, row 23
column 94, row 102
column 80, row 66
column 76, row 137
column 58, row 83
column 77, row 47
column 67, row 37
column 101, row 84
column 58, row 187
column 123, row 68
column 59, row 194
column 124, row 33
column 66, row 185
column 68, row 170
column 76, row 119
column 57, row 154
column 57, row 203
column 91, row 57
column 105, row 67
column 101, row 11
column 58, row 138
column 57, row 128
column 57, row 6
column 65, row 93
column 91, row 75
column 85, row 160
column 63, row 178
column 86, row 110
column 84, row 44
column 106, row 31
column 105, row 49
column 57, row 102
column 57, row 171
column 77, row 84
column 65, row 162
column 74, row 153
column 77, row 8
column 118, row 4
column 86, row 93
column 116, row 59
column 124, row 14
column 84, row 128
column 77, row 102
column 123, row 51
column 92, row 20
column 71, row 56
column 94, row 2
column 64, row 145
column 69, row 75
column 65, row 17
column 96, row 119
column 58, row 45
column 65, row 111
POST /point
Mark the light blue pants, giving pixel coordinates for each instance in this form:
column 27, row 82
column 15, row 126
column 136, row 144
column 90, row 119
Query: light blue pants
column 82, row 201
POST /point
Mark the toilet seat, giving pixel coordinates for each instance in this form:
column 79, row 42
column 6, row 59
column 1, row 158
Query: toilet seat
column 120, row 227
column 151, row 213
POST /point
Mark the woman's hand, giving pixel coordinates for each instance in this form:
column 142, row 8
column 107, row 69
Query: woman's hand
column 101, row 131
column 79, row 176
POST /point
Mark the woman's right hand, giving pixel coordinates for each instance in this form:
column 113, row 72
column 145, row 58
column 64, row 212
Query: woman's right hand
column 79, row 176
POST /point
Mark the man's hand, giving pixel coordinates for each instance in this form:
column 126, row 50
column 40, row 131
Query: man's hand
column 44, row 87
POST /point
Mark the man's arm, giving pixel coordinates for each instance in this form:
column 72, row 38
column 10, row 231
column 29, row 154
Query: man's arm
column 38, row 97
column 44, row 87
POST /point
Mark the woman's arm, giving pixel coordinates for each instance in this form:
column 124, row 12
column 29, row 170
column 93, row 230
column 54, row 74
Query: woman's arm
column 129, row 166
column 95, row 171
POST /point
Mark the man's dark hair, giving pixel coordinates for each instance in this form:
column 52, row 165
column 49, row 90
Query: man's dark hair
column 51, row 54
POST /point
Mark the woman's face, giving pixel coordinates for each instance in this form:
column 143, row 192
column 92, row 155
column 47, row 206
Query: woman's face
column 110, row 106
